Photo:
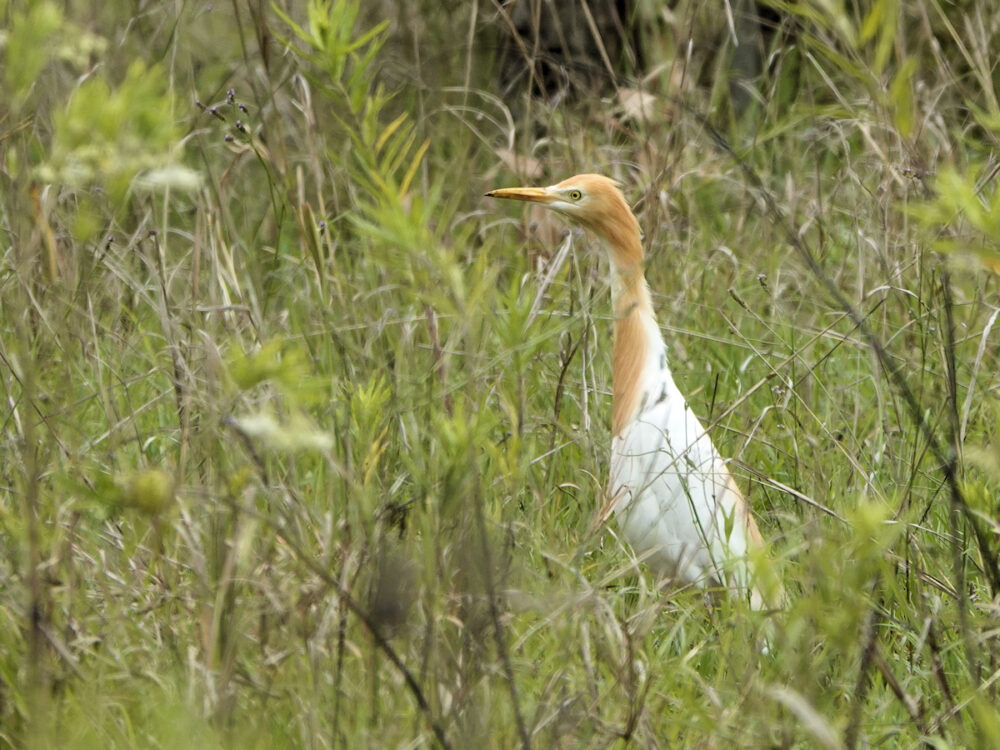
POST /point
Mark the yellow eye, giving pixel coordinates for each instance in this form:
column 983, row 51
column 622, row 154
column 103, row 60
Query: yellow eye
column 575, row 195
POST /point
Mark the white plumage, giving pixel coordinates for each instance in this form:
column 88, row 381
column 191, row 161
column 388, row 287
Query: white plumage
column 671, row 492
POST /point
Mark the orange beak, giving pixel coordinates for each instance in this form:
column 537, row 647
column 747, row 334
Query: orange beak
column 533, row 194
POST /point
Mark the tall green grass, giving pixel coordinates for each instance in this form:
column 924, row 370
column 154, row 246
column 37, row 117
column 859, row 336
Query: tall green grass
column 303, row 440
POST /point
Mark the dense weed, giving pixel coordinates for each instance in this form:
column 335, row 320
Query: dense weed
column 303, row 441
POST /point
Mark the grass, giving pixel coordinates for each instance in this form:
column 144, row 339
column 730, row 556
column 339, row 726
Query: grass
column 304, row 438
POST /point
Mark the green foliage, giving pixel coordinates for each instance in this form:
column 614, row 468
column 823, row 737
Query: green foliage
column 109, row 136
column 963, row 217
column 28, row 45
column 285, row 366
column 34, row 38
column 332, row 46
column 287, row 371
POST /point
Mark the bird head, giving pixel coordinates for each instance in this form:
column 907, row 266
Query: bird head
column 595, row 202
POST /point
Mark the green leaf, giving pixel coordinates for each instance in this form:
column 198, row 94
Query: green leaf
column 901, row 98
column 29, row 45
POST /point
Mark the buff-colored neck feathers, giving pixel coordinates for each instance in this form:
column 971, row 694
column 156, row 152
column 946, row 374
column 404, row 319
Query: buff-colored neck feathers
column 609, row 217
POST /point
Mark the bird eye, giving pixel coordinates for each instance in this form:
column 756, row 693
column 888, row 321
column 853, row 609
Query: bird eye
column 575, row 195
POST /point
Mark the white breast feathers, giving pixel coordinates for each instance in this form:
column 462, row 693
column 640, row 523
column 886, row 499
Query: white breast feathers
column 672, row 494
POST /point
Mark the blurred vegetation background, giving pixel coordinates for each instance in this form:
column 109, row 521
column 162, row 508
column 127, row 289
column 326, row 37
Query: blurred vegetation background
column 302, row 439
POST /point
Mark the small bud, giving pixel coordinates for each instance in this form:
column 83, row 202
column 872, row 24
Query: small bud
column 151, row 491
column 238, row 480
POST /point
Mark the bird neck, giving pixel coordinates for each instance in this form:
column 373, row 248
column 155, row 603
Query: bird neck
column 638, row 344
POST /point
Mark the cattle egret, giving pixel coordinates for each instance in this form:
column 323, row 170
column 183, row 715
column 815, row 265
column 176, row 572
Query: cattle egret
column 669, row 489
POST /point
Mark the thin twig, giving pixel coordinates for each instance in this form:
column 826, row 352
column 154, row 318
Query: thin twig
column 863, row 683
column 498, row 632
column 911, row 704
column 958, row 546
column 316, row 567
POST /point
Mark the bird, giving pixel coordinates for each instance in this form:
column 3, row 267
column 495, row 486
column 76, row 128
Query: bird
column 670, row 491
